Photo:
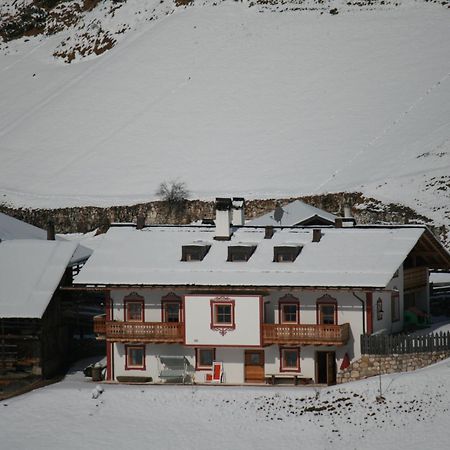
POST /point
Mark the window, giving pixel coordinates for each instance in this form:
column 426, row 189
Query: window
column 171, row 308
column 134, row 308
column 290, row 359
column 171, row 312
column 380, row 311
column 289, row 310
column 326, row 310
column 194, row 252
column 395, row 307
column 240, row 252
column 204, row 358
column 222, row 313
column 135, row 357
column 286, row 253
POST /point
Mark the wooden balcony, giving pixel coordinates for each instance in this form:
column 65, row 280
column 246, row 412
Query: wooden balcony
column 306, row 334
column 100, row 325
column 145, row 332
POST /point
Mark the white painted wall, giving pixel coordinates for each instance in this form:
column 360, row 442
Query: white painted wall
column 198, row 322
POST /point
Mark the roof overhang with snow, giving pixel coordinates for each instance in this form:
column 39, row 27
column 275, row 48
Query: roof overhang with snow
column 30, row 272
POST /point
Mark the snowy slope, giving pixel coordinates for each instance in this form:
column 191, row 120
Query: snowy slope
column 233, row 100
column 415, row 416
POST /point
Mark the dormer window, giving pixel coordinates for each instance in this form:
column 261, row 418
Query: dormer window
column 194, row 252
column 286, row 253
column 240, row 252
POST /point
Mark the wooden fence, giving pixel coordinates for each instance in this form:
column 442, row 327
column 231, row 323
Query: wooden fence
column 402, row 343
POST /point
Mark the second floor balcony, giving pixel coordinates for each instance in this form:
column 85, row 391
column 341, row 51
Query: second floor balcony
column 173, row 332
column 148, row 332
column 306, row 334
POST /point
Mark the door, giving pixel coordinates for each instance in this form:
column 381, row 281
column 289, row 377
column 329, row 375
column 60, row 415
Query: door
column 254, row 366
column 326, row 368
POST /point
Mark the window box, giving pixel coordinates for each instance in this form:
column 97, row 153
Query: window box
column 289, row 359
column 134, row 357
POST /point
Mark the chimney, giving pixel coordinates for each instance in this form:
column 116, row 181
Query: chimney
column 268, row 232
column 238, row 211
column 348, row 221
column 347, row 211
column 338, row 222
column 50, row 230
column 317, row 235
column 223, row 219
column 140, row 222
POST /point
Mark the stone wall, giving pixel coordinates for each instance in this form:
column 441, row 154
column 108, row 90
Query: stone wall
column 371, row 365
column 85, row 218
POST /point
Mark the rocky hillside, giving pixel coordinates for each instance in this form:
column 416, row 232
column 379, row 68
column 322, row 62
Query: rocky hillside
column 102, row 100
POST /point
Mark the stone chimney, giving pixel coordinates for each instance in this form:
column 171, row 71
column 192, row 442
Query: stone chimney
column 140, row 222
column 50, row 230
column 223, row 219
column 238, row 211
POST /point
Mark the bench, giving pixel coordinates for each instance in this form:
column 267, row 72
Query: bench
column 175, row 368
column 296, row 379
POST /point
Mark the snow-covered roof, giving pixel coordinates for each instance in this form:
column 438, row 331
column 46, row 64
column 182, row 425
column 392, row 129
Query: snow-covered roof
column 30, row 271
column 292, row 214
column 344, row 257
column 12, row 228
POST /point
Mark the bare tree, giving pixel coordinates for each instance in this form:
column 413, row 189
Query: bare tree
column 174, row 193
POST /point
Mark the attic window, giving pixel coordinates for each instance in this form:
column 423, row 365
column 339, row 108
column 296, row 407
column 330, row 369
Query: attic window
column 286, row 253
column 240, row 252
column 194, row 252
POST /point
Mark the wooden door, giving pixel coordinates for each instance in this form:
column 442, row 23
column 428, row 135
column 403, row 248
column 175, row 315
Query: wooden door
column 326, row 368
column 331, row 368
column 254, row 366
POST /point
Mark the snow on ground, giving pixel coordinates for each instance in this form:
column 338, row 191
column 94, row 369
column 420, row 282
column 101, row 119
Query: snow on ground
column 65, row 415
column 278, row 103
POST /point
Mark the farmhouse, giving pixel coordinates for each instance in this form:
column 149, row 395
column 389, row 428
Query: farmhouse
column 33, row 265
column 254, row 303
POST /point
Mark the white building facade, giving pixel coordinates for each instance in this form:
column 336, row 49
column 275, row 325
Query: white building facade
column 267, row 304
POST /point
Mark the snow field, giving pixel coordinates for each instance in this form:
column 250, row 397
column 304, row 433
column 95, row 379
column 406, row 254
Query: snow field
column 415, row 415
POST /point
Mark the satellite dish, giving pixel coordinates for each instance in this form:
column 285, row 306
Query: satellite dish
column 278, row 214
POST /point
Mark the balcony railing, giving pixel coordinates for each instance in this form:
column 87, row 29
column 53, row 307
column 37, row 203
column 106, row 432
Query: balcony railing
column 306, row 334
column 100, row 325
column 150, row 332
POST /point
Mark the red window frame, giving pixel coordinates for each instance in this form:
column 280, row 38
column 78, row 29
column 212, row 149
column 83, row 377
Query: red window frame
column 223, row 325
column 283, row 367
column 326, row 300
column 171, row 299
column 395, row 307
column 288, row 300
column 133, row 299
column 198, row 365
column 129, row 366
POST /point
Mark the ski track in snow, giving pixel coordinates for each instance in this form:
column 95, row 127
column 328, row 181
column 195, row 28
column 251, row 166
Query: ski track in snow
column 384, row 133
